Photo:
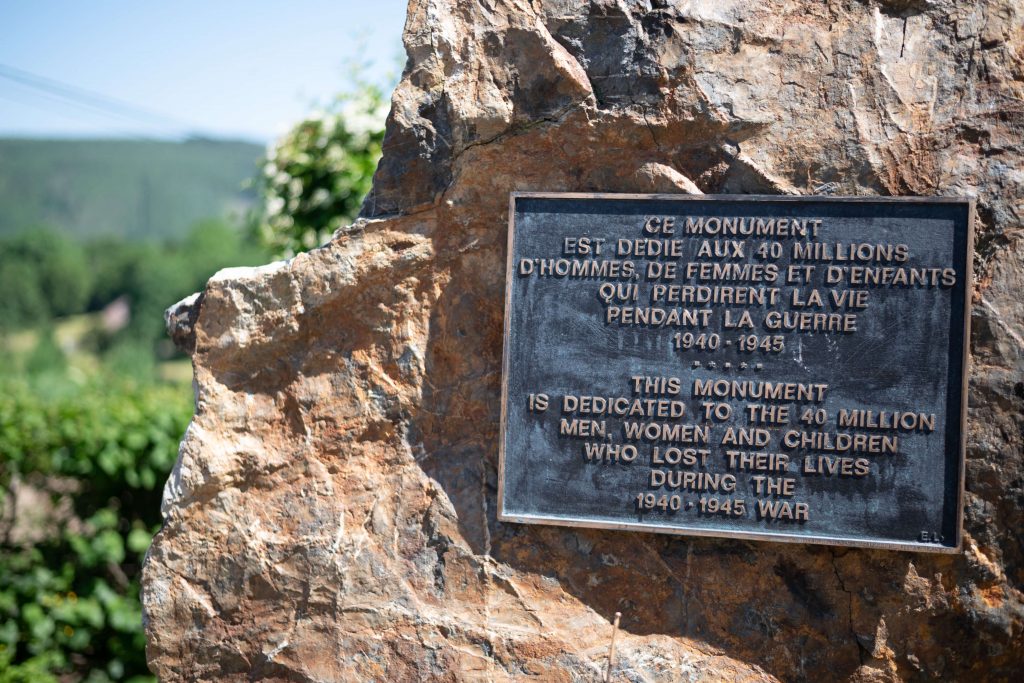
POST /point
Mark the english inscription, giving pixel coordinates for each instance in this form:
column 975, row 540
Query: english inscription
column 762, row 367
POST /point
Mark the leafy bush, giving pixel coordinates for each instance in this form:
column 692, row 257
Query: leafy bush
column 315, row 177
column 92, row 463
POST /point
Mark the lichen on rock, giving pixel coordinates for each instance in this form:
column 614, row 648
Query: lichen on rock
column 331, row 515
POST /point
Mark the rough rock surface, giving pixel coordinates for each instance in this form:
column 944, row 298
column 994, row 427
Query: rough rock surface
column 331, row 516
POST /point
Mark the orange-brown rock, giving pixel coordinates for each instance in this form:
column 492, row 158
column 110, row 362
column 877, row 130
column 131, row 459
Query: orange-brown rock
column 331, row 516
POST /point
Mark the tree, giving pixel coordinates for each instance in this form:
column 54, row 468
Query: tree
column 43, row 274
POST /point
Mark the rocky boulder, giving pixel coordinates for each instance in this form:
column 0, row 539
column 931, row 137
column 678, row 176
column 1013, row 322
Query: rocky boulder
column 331, row 516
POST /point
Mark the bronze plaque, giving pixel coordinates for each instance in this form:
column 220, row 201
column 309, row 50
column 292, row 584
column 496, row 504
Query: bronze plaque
column 776, row 368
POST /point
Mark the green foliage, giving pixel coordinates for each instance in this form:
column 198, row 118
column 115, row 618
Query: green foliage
column 127, row 188
column 315, row 178
column 87, row 449
column 22, row 301
column 69, row 600
column 47, row 356
column 42, row 275
column 46, row 274
column 130, row 357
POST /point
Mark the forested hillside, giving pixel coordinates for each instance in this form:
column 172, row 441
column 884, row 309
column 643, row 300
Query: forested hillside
column 123, row 188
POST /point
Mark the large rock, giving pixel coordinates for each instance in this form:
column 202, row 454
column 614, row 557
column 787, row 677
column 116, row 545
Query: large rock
column 332, row 512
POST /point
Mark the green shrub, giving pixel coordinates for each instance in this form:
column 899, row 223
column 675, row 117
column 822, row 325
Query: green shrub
column 94, row 461
column 315, row 178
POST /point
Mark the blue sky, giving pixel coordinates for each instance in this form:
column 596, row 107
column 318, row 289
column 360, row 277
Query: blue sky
column 227, row 68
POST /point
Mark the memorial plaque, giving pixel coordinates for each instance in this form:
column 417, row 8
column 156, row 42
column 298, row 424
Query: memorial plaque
column 777, row 368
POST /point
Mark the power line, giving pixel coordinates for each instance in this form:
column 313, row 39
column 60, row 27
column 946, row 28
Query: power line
column 44, row 102
column 91, row 99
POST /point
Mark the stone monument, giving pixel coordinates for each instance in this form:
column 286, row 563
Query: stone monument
column 334, row 511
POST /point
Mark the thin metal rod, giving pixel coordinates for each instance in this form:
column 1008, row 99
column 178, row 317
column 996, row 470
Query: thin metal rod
column 611, row 648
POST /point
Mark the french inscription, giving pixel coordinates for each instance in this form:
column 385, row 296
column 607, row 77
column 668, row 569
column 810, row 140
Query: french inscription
column 774, row 368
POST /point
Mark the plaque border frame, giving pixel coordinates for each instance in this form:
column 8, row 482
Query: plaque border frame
column 781, row 537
